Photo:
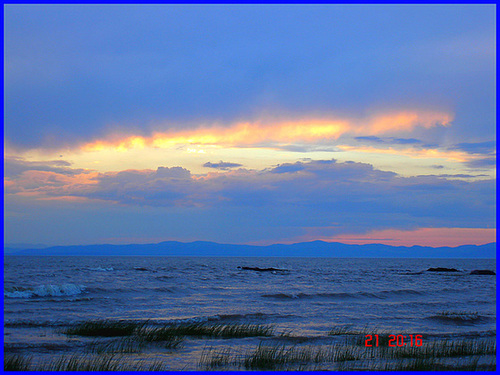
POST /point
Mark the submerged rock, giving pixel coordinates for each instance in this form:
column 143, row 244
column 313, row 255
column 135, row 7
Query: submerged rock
column 483, row 272
column 442, row 269
column 270, row 269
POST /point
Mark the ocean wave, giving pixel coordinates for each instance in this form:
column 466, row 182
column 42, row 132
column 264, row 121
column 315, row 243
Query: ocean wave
column 232, row 317
column 33, row 323
column 459, row 318
column 164, row 277
column 164, row 289
column 378, row 295
column 44, row 291
column 101, row 269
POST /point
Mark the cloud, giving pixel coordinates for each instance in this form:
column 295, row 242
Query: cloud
column 272, row 131
column 422, row 236
column 222, row 165
column 388, row 140
column 14, row 166
column 236, row 62
column 288, row 168
column 313, row 193
column 477, row 147
column 305, row 148
column 457, row 175
column 482, row 163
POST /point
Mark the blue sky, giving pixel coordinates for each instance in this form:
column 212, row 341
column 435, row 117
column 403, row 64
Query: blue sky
column 250, row 123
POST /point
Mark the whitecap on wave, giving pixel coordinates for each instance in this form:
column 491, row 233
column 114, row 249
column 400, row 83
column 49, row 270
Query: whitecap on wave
column 44, row 291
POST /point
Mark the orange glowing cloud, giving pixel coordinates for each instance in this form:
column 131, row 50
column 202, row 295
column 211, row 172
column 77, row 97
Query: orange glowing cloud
column 40, row 183
column 459, row 156
column 434, row 237
column 305, row 130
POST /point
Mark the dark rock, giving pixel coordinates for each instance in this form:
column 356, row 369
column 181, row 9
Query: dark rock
column 482, row 272
column 270, row 269
column 442, row 269
column 140, row 269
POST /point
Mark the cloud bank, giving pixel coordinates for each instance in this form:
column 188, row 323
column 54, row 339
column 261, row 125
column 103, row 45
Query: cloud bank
column 352, row 196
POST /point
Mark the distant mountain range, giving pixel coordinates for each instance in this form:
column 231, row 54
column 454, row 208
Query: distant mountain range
column 303, row 249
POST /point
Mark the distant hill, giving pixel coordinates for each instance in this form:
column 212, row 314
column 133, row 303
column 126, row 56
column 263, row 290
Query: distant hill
column 303, row 249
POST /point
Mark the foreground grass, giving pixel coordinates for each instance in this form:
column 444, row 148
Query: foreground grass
column 118, row 346
column 207, row 330
column 444, row 349
column 109, row 328
column 16, row 363
column 347, row 357
column 81, row 363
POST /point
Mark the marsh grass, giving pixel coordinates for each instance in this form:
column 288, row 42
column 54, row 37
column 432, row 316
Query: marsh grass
column 342, row 331
column 16, row 363
column 83, row 363
column 212, row 359
column 444, row 348
column 267, row 357
column 436, row 364
column 117, row 339
column 161, row 335
column 279, row 356
column 431, row 356
column 103, row 328
column 383, row 338
column 170, row 336
column 126, row 345
column 206, row 330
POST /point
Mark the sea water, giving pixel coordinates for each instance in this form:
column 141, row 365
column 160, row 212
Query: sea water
column 304, row 297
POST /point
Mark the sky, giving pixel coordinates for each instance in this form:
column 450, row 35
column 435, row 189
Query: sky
column 250, row 124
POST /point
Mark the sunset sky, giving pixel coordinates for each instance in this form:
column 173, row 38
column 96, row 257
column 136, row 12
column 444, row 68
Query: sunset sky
column 250, row 124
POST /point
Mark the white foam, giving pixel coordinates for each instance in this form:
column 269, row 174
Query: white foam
column 45, row 291
column 102, row 269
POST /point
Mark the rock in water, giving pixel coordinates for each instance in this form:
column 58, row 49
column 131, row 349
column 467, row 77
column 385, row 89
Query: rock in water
column 483, row 272
column 270, row 269
column 442, row 269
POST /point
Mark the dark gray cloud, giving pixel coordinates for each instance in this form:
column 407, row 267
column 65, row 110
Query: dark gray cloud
column 76, row 72
column 222, row 165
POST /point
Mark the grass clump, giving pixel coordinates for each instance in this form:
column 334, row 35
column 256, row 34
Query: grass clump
column 163, row 335
column 213, row 359
column 16, row 363
column 103, row 328
column 206, row 330
column 439, row 349
column 99, row 363
column 84, row 363
column 269, row 357
column 342, row 331
column 127, row 345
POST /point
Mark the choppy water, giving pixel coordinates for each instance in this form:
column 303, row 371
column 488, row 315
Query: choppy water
column 308, row 298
